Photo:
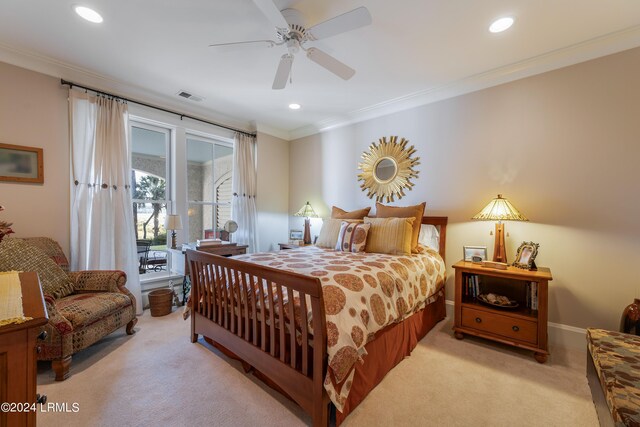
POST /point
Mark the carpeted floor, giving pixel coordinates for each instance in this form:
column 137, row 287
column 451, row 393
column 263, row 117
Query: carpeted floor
column 159, row 378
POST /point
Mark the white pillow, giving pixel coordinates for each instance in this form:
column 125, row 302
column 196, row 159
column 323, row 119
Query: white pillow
column 429, row 236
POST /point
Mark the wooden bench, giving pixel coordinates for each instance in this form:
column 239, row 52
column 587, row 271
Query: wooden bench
column 613, row 372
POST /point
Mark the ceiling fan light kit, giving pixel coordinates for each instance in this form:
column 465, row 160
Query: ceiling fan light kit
column 291, row 32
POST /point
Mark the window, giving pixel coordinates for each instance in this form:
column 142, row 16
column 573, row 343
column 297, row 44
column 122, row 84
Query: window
column 209, row 167
column 150, row 183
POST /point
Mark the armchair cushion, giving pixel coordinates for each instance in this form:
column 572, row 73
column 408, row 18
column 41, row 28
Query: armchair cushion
column 17, row 254
column 85, row 309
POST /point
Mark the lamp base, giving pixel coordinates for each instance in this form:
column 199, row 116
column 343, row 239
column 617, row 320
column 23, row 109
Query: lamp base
column 307, row 231
column 173, row 239
column 499, row 249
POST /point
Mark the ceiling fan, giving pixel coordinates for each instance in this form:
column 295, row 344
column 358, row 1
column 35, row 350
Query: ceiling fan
column 291, row 32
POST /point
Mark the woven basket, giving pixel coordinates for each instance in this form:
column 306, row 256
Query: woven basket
column 160, row 302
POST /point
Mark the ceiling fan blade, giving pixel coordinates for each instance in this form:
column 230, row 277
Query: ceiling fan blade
column 348, row 21
column 330, row 63
column 266, row 43
column 273, row 14
column 282, row 74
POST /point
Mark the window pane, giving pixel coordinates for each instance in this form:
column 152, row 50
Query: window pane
column 149, row 174
column 199, row 169
column 209, row 165
column 148, row 187
column 151, row 237
column 223, row 197
column 222, row 184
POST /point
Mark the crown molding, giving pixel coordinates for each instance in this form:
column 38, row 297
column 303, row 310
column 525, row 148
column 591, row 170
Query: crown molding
column 275, row 132
column 52, row 67
column 580, row 52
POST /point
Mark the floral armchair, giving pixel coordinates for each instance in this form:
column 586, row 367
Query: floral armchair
column 86, row 307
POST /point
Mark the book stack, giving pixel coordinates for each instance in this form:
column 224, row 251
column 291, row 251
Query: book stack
column 471, row 286
column 532, row 295
column 208, row 242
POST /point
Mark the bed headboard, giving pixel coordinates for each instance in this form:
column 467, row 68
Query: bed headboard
column 440, row 222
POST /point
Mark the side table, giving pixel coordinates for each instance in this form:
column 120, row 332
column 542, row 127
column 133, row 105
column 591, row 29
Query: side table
column 523, row 325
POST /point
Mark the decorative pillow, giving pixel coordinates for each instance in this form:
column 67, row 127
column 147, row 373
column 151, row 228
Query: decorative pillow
column 328, row 236
column 429, row 236
column 336, row 212
column 352, row 237
column 16, row 254
column 416, row 212
column 390, row 235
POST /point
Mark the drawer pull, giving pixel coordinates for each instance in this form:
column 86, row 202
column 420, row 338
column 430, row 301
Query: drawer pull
column 515, row 329
column 41, row 399
column 42, row 335
column 38, row 349
column 478, row 320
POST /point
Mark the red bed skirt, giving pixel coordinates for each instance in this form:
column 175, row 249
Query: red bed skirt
column 389, row 347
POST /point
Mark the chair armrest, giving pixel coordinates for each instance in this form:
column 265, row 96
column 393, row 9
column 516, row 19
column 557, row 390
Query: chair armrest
column 56, row 320
column 99, row 281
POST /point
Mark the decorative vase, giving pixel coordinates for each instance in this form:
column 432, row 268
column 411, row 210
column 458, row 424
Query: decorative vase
column 631, row 318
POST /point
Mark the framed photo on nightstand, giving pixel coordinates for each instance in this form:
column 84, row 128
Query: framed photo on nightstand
column 295, row 235
column 475, row 253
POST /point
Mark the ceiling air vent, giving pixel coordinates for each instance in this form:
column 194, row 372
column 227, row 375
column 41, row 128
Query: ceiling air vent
column 190, row 96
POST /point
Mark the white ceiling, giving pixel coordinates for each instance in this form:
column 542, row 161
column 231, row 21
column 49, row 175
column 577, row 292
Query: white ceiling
column 415, row 51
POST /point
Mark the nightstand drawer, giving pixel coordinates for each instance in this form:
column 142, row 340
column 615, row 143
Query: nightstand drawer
column 504, row 325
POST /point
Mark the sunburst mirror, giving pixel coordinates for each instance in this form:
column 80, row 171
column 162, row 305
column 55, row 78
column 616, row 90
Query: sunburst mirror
column 387, row 169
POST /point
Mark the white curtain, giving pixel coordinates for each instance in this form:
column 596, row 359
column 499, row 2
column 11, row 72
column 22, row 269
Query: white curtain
column 244, row 185
column 102, row 230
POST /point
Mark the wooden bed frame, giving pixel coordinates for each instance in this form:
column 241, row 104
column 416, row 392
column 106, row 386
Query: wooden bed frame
column 229, row 314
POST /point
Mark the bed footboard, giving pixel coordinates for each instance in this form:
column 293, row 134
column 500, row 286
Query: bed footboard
column 261, row 314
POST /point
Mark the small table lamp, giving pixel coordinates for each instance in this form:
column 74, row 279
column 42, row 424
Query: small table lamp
column 499, row 209
column 307, row 212
column 173, row 223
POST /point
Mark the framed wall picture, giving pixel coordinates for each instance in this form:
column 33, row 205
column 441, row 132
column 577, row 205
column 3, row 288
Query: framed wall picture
column 295, row 235
column 21, row 164
column 526, row 255
column 475, row 253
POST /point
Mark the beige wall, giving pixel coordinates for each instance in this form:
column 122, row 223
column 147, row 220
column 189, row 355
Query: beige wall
column 563, row 146
column 33, row 112
column 273, row 191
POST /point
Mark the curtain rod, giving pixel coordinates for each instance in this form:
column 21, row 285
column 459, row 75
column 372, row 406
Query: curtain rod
column 71, row 85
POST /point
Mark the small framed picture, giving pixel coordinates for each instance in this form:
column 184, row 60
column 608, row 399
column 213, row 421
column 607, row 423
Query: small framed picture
column 475, row 253
column 21, row 164
column 295, row 234
column 526, row 255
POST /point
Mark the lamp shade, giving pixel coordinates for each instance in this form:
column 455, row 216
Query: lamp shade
column 306, row 211
column 173, row 222
column 500, row 209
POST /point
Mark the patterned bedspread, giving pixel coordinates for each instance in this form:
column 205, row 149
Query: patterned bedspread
column 363, row 293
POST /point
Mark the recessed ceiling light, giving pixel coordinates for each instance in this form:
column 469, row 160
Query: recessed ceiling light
column 88, row 14
column 294, row 106
column 500, row 25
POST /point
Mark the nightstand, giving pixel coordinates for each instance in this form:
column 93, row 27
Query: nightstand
column 290, row 246
column 520, row 326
